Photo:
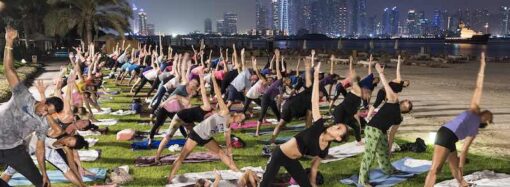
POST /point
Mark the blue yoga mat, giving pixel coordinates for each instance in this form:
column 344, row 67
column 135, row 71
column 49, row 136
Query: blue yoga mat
column 155, row 144
column 379, row 179
column 58, row 177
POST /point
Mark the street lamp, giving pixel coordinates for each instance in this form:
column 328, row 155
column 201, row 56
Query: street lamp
column 486, row 28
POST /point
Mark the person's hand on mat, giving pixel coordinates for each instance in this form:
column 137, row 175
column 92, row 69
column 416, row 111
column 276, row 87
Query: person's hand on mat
column 46, row 181
column 360, row 143
column 157, row 161
column 217, row 175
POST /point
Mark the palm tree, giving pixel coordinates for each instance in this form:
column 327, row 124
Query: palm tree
column 87, row 16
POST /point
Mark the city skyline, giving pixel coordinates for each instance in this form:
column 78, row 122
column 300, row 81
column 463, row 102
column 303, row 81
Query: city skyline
column 171, row 20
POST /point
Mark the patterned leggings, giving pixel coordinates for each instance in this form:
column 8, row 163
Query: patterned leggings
column 376, row 145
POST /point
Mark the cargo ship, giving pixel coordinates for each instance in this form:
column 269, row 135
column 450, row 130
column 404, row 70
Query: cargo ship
column 469, row 36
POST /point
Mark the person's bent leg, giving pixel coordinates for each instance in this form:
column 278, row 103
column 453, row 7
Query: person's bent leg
column 19, row 160
column 272, row 168
column 170, row 133
column 355, row 127
column 275, row 110
column 453, row 162
column 438, row 159
column 155, row 85
column 383, row 158
column 246, row 104
column 297, row 172
column 213, row 147
column 277, row 130
column 161, row 115
column 186, row 150
column 368, row 156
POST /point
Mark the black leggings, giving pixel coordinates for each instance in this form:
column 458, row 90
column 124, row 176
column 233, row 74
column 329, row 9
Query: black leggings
column 19, row 159
column 340, row 90
column 247, row 102
column 267, row 102
column 351, row 122
column 293, row 167
column 142, row 84
column 161, row 116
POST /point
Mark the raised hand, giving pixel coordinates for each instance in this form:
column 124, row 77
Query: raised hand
column 313, row 52
column 40, row 86
column 379, row 68
column 10, row 35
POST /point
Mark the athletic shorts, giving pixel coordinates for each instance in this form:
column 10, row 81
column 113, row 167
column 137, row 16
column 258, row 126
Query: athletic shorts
column 446, row 138
column 52, row 156
column 192, row 115
column 195, row 137
column 233, row 94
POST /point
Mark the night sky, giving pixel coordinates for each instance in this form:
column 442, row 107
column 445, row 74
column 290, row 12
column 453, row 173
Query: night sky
column 184, row 16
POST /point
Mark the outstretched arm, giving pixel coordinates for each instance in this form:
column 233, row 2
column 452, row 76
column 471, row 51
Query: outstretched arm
column 356, row 90
column 297, row 66
column 316, row 114
column 278, row 72
column 370, row 65
column 223, row 107
column 475, row 101
column 9, row 71
column 390, row 95
column 332, row 65
column 308, row 76
column 203, row 92
column 399, row 77
column 242, row 60
column 254, row 66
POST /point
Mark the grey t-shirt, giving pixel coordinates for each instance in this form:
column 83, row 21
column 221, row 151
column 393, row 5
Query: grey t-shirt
column 180, row 91
column 210, row 126
column 19, row 120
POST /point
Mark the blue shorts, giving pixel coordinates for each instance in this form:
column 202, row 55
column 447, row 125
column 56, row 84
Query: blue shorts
column 125, row 66
column 133, row 67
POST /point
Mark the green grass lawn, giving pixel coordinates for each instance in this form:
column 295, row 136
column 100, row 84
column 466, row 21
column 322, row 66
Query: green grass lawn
column 116, row 153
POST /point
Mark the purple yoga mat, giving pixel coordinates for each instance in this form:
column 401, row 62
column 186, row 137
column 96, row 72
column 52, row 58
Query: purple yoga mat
column 197, row 157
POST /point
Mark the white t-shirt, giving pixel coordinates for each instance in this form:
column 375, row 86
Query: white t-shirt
column 210, row 126
column 242, row 81
column 256, row 90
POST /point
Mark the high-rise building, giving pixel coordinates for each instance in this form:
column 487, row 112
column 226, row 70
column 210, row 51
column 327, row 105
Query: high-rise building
column 151, row 29
column 275, row 9
column 263, row 15
column 354, row 11
column 372, row 26
column 412, row 23
column 394, row 21
column 220, row 26
column 135, row 19
column 505, row 21
column 340, row 18
column 142, row 24
column 283, row 15
column 208, row 26
column 230, row 23
column 363, row 18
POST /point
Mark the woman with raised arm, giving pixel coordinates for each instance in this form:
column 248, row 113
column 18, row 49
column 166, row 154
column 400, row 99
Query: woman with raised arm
column 299, row 105
column 377, row 142
column 345, row 112
column 202, row 135
column 188, row 117
column 257, row 90
column 241, row 84
column 463, row 127
column 396, row 85
column 273, row 94
column 314, row 142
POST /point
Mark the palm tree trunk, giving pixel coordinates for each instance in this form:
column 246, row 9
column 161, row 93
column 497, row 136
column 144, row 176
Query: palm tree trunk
column 88, row 32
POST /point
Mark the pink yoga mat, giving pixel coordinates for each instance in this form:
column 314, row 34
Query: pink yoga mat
column 247, row 124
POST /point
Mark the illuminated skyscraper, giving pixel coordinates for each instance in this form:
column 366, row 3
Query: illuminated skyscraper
column 390, row 21
column 208, row 26
column 263, row 14
column 142, row 23
column 220, row 26
column 230, row 23
column 505, row 21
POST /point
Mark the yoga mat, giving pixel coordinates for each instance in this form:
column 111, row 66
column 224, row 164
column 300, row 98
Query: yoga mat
column 227, row 175
column 295, row 128
column 247, row 124
column 279, row 140
column 89, row 133
column 406, row 168
column 347, row 150
column 105, row 111
column 197, row 157
column 155, row 144
column 483, row 178
column 106, row 122
column 88, row 155
column 58, row 177
column 91, row 141
column 123, row 113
